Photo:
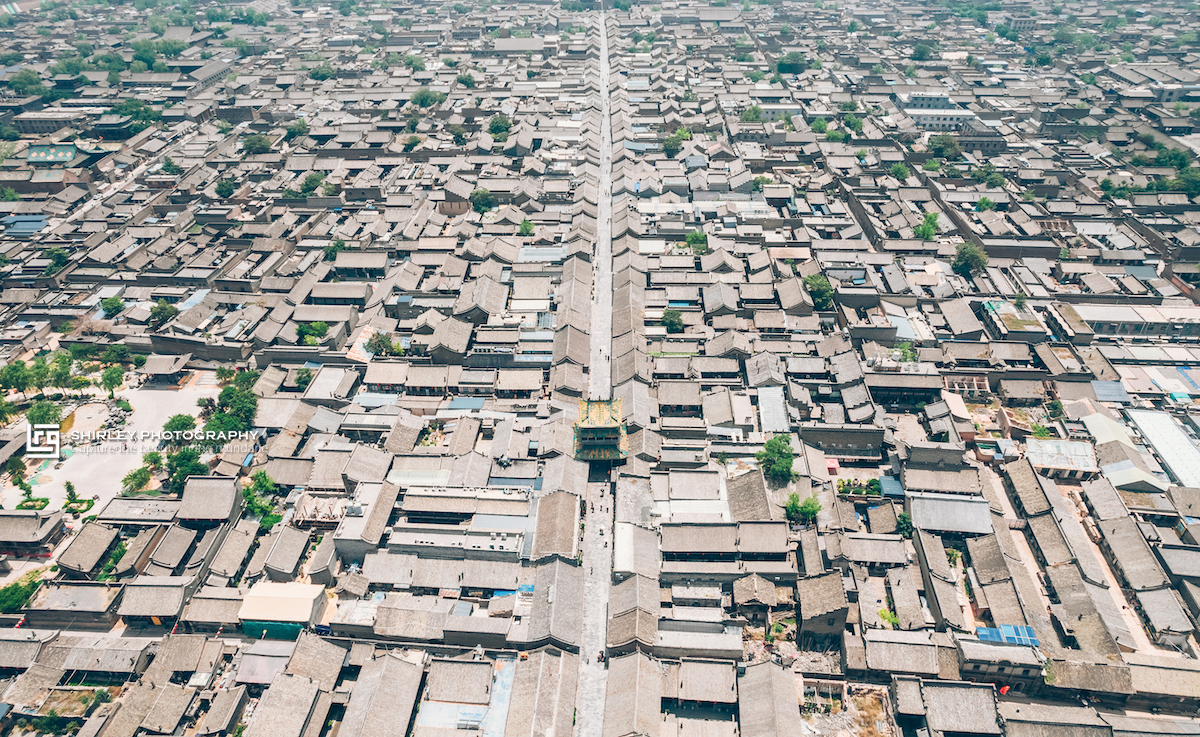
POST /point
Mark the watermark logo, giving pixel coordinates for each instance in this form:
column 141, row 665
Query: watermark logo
column 42, row 441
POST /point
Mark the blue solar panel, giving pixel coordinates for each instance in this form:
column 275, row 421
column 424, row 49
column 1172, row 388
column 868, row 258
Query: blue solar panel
column 1019, row 635
column 1009, row 633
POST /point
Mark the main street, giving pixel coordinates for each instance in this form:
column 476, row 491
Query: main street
column 597, row 538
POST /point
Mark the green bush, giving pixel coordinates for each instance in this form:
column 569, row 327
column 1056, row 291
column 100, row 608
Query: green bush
column 16, row 595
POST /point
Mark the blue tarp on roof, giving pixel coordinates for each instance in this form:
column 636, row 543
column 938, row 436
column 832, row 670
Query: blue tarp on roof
column 1110, row 391
column 23, row 226
column 891, row 487
column 193, row 299
column 1141, row 271
column 467, row 403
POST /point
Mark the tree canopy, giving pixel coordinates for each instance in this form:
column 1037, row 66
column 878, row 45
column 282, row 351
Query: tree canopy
column 672, row 320
column 820, row 290
column 482, row 200
column 775, row 459
column 969, row 259
column 256, row 143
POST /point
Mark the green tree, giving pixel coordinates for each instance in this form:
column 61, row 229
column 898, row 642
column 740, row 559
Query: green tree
column 245, row 380
column 922, row 52
column 15, row 467
column 1020, row 301
column 928, row 229
column 8, row 194
column 820, row 290
column 152, row 460
column 791, row 507
column 262, row 484
column 311, row 333
column 304, row 377
column 775, row 459
column 322, row 72
column 984, row 204
column 411, row 143
column 136, row 480
column 223, row 424
column 296, row 129
column 72, row 495
column 904, row 524
column 311, row 181
column 112, row 306
column 44, row 413
column 332, row 250
column 39, row 373
column 900, row 171
column 988, row 175
column 181, row 464
column 466, row 79
column 803, row 512
column 945, row 146
column 115, row 353
column 969, row 259
column 170, row 167
column 27, row 82
column 482, row 200
column 179, row 423
column 459, row 134
column 225, row 188
column 527, row 228
column 752, row 114
column 499, row 124
column 809, row 510
column 162, row 312
column 60, row 371
column 380, row 344
column 256, row 143
column 111, row 378
column 819, row 126
column 672, row 320
column 425, row 97
column 15, row 376
column 58, row 258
